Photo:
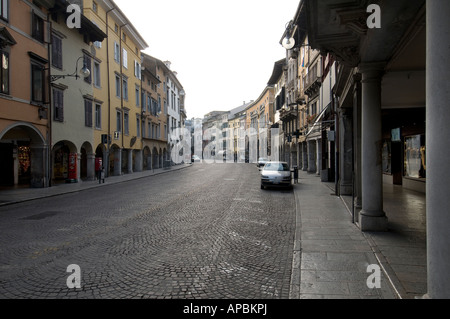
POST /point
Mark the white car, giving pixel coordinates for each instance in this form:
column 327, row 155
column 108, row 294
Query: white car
column 261, row 162
column 276, row 174
column 195, row 158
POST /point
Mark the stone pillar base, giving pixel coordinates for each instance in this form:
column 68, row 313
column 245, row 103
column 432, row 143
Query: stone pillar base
column 373, row 223
column 346, row 189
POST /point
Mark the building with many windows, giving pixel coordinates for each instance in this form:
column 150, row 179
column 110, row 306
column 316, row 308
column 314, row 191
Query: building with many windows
column 74, row 69
column 121, row 105
column 384, row 85
column 24, row 93
column 154, row 114
column 65, row 125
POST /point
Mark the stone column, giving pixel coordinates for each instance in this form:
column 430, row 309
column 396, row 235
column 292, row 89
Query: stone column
column 138, row 165
column 438, row 152
column 311, row 156
column 318, row 156
column 372, row 216
column 90, row 167
column 106, row 162
column 38, row 166
column 118, row 162
column 305, row 156
column 78, row 167
column 130, row 161
column 357, row 140
column 345, row 153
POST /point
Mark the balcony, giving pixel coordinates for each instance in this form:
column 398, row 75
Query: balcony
column 288, row 113
column 312, row 81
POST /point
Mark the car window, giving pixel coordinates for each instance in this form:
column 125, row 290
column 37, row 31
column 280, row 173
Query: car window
column 271, row 167
column 277, row 167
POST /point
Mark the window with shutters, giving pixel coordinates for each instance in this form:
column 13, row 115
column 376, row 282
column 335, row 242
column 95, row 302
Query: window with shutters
column 37, row 82
column 4, row 9
column 37, row 28
column 126, row 124
column 118, row 87
column 88, row 113
column 125, row 58
column 116, row 52
column 57, row 57
column 137, row 70
column 4, row 72
column 98, row 116
column 58, row 105
column 97, row 74
column 125, row 88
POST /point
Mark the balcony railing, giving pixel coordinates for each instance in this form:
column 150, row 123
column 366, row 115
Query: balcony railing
column 288, row 113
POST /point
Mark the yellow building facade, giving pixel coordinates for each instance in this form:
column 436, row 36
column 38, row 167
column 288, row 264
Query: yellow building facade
column 118, row 92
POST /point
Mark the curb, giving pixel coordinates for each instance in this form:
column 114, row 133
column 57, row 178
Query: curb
column 294, row 289
column 164, row 171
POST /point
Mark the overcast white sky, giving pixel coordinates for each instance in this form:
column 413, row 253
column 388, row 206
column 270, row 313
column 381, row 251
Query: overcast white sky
column 222, row 50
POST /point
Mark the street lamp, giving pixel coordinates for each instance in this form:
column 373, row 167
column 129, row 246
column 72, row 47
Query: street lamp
column 84, row 72
column 288, row 42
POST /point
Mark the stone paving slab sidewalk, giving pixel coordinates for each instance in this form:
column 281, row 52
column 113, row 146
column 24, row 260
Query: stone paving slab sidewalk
column 332, row 255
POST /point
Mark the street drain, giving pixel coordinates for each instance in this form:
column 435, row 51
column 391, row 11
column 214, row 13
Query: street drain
column 40, row 216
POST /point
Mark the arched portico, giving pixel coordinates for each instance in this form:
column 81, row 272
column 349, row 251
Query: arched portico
column 23, row 156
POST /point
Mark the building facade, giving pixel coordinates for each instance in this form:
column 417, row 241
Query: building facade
column 73, row 103
column 154, row 114
column 383, row 83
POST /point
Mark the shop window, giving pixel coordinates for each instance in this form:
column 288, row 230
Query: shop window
column 415, row 156
column 24, row 156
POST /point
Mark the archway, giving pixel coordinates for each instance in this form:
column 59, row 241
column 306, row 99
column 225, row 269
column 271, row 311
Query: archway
column 65, row 162
column 115, row 160
column 23, row 157
column 165, row 158
column 87, row 162
column 155, row 158
column 147, row 158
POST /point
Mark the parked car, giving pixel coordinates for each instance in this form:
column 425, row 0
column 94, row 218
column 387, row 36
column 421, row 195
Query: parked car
column 195, row 158
column 276, row 174
column 261, row 162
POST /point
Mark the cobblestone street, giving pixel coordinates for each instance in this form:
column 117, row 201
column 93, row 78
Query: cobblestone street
column 208, row 231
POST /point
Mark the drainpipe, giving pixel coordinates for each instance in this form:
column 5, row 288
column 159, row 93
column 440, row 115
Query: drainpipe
column 48, row 170
column 122, row 133
column 108, row 144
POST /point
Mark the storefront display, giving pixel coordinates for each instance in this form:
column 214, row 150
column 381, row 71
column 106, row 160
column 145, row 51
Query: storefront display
column 386, row 157
column 24, row 156
column 415, row 156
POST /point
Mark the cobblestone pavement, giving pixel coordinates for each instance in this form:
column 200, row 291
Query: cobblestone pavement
column 207, row 231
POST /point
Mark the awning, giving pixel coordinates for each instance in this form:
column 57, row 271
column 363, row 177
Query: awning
column 318, row 119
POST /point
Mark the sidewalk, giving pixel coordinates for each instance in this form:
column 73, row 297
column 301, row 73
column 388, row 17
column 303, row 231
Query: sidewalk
column 17, row 195
column 332, row 254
